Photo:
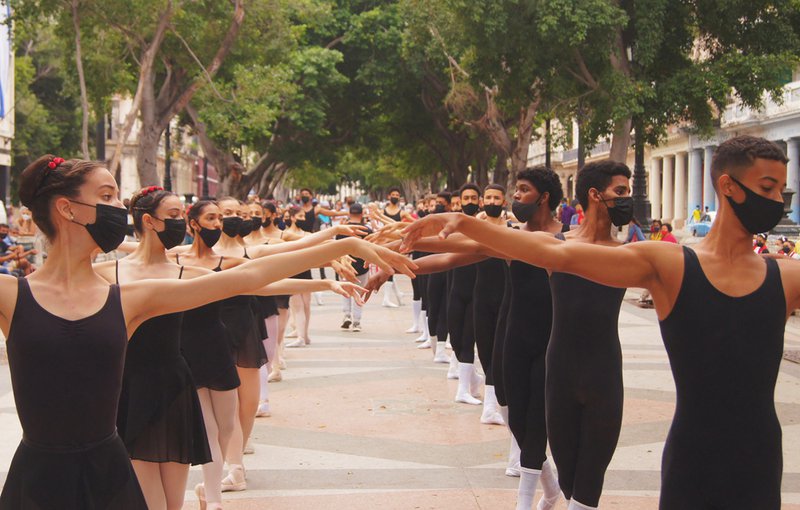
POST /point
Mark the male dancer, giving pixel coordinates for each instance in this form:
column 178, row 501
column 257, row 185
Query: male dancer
column 724, row 447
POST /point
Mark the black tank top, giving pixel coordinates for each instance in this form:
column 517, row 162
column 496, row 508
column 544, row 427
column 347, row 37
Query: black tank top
column 308, row 223
column 725, row 353
column 66, row 374
column 530, row 312
column 396, row 216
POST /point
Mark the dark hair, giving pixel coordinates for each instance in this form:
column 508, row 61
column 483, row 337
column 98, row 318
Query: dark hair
column 307, row 189
column 546, row 181
column 497, row 187
column 270, row 206
column 293, row 211
column 227, row 198
column 40, row 184
column 736, row 155
column 597, row 175
column 471, row 186
column 392, row 190
column 445, row 195
column 669, row 226
column 146, row 201
column 4, row 225
column 196, row 210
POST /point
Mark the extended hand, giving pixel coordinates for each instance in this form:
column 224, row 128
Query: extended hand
column 351, row 230
column 441, row 225
column 385, row 259
column 344, row 268
column 349, row 290
column 375, row 283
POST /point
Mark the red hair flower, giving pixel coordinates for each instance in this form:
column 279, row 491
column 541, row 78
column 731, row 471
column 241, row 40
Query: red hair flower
column 53, row 164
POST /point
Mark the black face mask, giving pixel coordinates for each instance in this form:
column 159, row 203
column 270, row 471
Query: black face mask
column 266, row 223
column 305, row 199
column 422, row 213
column 394, row 200
column 230, row 225
column 757, row 213
column 493, row 210
column 109, row 227
column 470, row 209
column 276, row 222
column 245, row 227
column 622, row 212
column 288, row 223
column 524, row 212
column 256, row 220
column 210, row 236
column 439, row 209
column 787, row 250
column 3, row 235
column 173, row 233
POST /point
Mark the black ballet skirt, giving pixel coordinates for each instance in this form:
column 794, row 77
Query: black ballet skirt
column 66, row 376
column 205, row 346
column 269, row 306
column 159, row 418
column 282, row 301
column 243, row 331
column 305, row 275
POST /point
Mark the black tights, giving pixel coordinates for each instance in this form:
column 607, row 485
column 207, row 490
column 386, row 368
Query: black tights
column 437, row 305
column 459, row 314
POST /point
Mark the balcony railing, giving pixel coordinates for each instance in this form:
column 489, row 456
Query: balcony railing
column 737, row 113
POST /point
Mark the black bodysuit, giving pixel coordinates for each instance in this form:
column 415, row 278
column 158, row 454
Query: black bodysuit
column 583, row 390
column 66, row 376
column 488, row 292
column 528, row 325
column 723, row 450
column 460, row 323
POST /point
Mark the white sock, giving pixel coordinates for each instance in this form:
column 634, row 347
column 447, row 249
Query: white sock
column 464, row 394
column 452, row 371
column 423, row 326
column 574, row 505
column 528, row 480
column 416, row 311
column 440, row 355
column 513, row 449
column 491, row 412
column 263, row 385
column 552, row 491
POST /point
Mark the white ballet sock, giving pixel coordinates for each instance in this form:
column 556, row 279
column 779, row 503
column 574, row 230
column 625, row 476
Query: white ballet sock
column 452, row 371
column 426, row 333
column 574, row 505
column 397, row 294
column 475, row 382
column 263, row 385
column 440, row 356
column 416, row 311
column 552, row 491
column 465, row 378
column 528, row 480
column 512, row 469
column 491, row 412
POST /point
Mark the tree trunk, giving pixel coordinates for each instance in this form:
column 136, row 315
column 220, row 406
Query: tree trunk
column 81, row 81
column 621, row 141
column 501, row 173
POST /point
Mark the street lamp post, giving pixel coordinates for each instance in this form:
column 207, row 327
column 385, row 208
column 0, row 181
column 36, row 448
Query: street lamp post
column 641, row 205
column 205, row 177
column 167, row 161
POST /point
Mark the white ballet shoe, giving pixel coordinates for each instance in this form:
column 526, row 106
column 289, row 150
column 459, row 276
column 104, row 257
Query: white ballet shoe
column 275, row 376
column 282, row 364
column 513, row 471
column 427, row 344
column 297, row 343
column 492, row 417
column 441, row 356
column 464, row 393
column 291, row 334
column 574, row 505
column 448, row 345
column 491, row 410
column 248, row 449
column 422, row 338
column 263, row 409
column 235, row 480
column 452, row 371
column 475, row 383
column 550, row 487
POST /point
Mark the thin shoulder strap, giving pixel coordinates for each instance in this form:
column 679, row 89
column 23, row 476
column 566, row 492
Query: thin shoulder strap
column 560, row 236
column 116, row 270
column 245, row 251
column 219, row 266
column 180, row 275
column 177, row 258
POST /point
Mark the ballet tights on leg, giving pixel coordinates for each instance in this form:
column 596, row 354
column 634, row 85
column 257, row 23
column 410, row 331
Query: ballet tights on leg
column 248, row 402
column 163, row 484
column 219, row 413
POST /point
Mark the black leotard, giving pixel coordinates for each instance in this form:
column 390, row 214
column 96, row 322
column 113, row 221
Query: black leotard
column 308, row 223
column 437, row 305
column 724, row 446
column 530, row 317
column 396, row 216
column 159, row 417
column 498, row 352
column 206, row 348
column 490, row 282
column 460, row 311
column 583, row 390
column 66, row 376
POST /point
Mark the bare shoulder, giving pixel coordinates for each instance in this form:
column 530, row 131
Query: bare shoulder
column 231, row 262
column 107, row 270
column 790, row 271
column 190, row 272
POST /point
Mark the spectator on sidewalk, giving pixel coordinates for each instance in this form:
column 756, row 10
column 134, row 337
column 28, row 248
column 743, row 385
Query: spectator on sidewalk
column 634, row 232
column 760, row 244
column 666, row 234
column 655, row 231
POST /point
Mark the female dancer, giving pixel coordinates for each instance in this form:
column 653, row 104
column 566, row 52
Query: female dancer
column 725, row 415
column 299, row 304
column 64, row 316
column 159, row 416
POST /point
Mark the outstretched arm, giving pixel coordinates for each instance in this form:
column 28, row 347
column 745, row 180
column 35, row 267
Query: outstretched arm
column 445, row 262
column 149, row 298
column 314, row 239
column 633, row 265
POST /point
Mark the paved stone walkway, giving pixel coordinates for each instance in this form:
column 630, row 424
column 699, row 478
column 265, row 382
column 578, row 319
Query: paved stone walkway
column 365, row 421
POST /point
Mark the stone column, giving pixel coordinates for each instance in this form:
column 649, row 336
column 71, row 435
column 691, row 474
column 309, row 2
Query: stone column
column 695, row 181
column 679, row 220
column 709, row 196
column 668, row 191
column 793, row 176
column 655, row 188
